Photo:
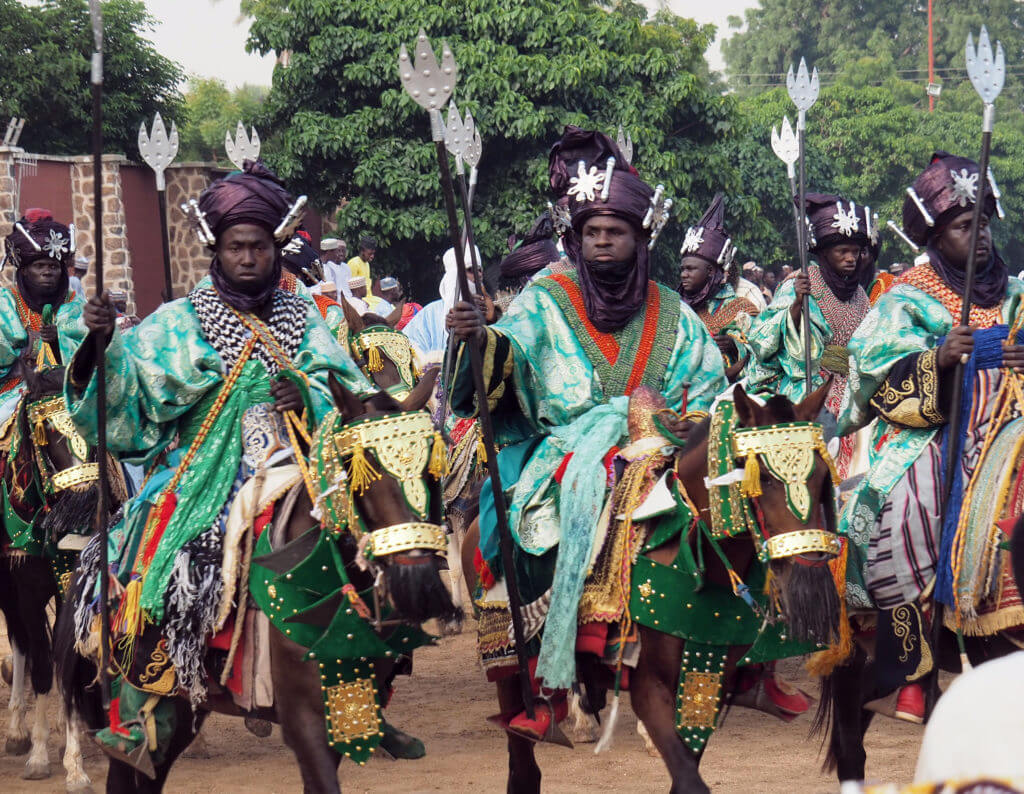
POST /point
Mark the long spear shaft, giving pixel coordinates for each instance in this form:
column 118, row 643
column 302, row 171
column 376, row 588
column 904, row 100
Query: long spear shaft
column 487, row 432
column 161, row 197
column 801, row 238
column 102, row 508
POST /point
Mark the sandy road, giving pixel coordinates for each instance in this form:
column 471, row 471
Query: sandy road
column 445, row 703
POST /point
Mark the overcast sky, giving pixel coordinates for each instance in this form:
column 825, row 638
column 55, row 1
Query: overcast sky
column 208, row 40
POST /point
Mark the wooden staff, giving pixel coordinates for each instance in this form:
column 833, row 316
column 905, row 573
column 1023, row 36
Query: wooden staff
column 431, row 86
column 102, row 507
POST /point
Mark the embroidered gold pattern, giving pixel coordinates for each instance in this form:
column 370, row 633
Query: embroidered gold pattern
column 351, row 711
column 158, row 675
column 700, row 699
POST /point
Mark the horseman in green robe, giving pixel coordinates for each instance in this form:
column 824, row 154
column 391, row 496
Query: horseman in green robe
column 708, row 275
column 40, row 328
column 903, row 359
column 205, row 372
column 839, row 232
column 559, row 368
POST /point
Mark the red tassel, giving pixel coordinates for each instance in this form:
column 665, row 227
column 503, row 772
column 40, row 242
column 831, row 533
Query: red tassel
column 164, row 510
column 483, row 570
column 115, row 717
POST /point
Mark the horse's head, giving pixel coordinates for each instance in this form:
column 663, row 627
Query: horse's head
column 379, row 465
column 788, row 478
column 382, row 353
column 65, row 463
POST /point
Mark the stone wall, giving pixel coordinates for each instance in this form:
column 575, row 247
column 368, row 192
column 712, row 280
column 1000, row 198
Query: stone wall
column 189, row 261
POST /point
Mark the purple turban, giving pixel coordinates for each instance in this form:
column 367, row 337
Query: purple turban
column 948, row 187
column 833, row 221
column 535, row 252
column 709, row 241
column 577, row 168
column 255, row 195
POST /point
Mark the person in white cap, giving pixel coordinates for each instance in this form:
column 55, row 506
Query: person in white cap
column 76, row 272
column 333, row 253
column 356, row 294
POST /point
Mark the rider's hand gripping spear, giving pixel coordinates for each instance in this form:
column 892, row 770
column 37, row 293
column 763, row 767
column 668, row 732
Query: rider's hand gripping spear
column 988, row 73
column 159, row 150
column 803, row 90
column 102, row 508
column 430, row 86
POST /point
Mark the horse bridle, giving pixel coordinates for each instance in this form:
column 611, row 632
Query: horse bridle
column 53, row 411
column 372, row 343
column 788, row 451
column 405, row 446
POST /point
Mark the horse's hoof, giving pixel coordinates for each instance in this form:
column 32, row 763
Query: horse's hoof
column 36, row 771
column 451, row 628
column 81, row 787
column 16, row 746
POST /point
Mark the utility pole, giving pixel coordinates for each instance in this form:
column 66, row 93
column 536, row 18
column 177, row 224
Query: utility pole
column 933, row 88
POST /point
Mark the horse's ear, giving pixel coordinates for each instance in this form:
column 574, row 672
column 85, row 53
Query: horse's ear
column 349, row 406
column 422, row 391
column 807, row 410
column 746, row 409
column 352, row 317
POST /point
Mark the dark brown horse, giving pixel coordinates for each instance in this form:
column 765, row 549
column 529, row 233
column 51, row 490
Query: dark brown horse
column 52, row 493
column 412, row 583
column 807, row 594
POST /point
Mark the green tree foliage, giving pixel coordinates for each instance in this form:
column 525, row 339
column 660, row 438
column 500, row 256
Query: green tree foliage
column 211, row 111
column 868, row 143
column 832, row 34
column 44, row 74
column 347, row 131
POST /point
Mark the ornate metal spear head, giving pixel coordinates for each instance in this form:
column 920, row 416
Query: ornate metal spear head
column 158, row 149
column 455, row 135
column 474, row 146
column 785, row 144
column 244, row 147
column 625, row 144
column 987, row 73
column 803, row 89
column 429, row 85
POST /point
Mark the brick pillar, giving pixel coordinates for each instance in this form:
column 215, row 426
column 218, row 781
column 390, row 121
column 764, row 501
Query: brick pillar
column 190, row 260
column 117, row 270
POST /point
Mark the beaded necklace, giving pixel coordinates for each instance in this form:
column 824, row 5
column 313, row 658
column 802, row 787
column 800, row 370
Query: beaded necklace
column 924, row 278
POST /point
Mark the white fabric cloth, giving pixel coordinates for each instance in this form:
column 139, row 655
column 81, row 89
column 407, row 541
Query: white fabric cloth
column 76, row 284
column 339, row 273
column 977, row 728
column 750, row 291
column 427, row 330
column 358, row 304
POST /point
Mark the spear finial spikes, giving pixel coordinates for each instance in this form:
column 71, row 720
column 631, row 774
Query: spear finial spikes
column 244, row 147
column 986, row 70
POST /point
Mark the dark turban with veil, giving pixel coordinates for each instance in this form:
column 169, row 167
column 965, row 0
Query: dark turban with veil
column 253, row 195
column 577, row 167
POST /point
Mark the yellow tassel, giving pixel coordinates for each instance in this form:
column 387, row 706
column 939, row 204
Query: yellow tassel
column 438, row 459
column 39, row 433
column 128, row 620
column 374, row 363
column 481, row 451
column 751, row 485
column 360, row 471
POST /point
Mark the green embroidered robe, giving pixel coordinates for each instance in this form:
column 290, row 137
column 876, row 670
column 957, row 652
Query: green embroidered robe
column 547, row 377
column 162, row 379
column 894, row 375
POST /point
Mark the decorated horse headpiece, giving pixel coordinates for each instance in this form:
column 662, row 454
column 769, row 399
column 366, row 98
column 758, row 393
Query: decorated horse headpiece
column 787, row 450
column 351, row 456
column 377, row 342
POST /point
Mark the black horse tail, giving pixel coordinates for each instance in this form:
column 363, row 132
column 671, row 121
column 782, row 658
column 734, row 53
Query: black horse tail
column 77, row 677
column 822, row 723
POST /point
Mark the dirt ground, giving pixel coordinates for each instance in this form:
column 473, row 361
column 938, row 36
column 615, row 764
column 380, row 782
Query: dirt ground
column 445, row 704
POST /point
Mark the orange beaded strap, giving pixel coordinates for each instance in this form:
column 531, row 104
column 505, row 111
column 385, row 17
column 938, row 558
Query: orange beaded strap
column 927, row 280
